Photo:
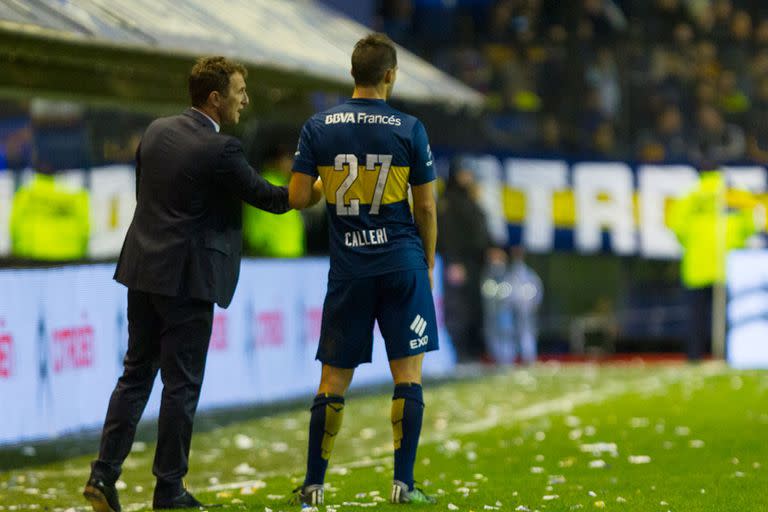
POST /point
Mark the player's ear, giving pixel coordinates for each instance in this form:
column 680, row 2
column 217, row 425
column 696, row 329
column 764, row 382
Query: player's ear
column 389, row 76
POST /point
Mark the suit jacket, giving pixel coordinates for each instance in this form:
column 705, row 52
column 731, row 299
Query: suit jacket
column 185, row 239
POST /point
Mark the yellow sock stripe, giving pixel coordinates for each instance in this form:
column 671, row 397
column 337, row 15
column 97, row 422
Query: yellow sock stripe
column 397, row 421
column 334, row 413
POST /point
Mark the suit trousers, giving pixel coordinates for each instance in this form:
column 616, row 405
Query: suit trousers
column 170, row 334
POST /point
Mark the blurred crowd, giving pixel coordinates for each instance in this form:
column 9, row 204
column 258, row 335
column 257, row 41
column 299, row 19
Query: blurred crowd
column 647, row 80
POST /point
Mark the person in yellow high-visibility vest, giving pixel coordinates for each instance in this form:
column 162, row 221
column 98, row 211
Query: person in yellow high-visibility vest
column 49, row 221
column 707, row 230
column 267, row 234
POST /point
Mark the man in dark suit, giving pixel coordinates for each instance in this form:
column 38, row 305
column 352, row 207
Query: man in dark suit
column 181, row 254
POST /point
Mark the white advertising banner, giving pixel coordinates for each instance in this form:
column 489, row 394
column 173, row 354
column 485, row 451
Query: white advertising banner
column 63, row 334
column 747, row 337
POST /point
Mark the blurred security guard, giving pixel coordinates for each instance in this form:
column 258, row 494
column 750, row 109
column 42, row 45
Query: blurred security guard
column 707, row 230
column 267, row 234
column 181, row 254
column 50, row 221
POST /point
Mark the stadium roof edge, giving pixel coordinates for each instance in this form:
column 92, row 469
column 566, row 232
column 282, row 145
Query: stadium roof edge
column 257, row 32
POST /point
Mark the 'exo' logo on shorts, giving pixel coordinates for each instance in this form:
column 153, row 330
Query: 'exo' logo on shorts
column 419, row 325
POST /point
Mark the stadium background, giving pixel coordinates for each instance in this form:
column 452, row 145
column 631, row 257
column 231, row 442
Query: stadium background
column 581, row 121
column 606, row 98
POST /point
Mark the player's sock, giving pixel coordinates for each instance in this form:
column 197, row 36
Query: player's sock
column 407, row 415
column 327, row 413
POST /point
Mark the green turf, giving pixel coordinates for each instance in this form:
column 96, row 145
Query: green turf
column 551, row 438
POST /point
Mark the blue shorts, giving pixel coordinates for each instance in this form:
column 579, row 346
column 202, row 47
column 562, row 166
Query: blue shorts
column 400, row 301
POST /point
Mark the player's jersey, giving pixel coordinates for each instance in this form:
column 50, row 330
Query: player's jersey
column 367, row 153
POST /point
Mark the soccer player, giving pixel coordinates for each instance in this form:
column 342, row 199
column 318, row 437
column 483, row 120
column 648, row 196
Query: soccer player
column 368, row 155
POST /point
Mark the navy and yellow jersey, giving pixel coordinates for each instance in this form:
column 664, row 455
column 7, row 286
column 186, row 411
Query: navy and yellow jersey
column 366, row 154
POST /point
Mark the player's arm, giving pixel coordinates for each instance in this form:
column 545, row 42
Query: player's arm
column 304, row 190
column 425, row 218
column 422, row 179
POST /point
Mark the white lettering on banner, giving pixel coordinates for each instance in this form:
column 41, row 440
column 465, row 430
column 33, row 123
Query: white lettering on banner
column 752, row 179
column 219, row 336
column 603, row 193
column 658, row 184
column 270, row 328
column 113, row 200
column 6, row 355
column 313, row 319
column 6, row 201
column 73, row 178
column 73, row 348
column 538, row 179
column 489, row 172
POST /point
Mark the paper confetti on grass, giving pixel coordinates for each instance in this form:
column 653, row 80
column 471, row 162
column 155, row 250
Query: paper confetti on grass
column 639, row 459
column 244, row 469
column 243, row 442
column 600, row 448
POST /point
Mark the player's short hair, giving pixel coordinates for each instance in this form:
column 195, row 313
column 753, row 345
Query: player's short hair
column 212, row 74
column 372, row 57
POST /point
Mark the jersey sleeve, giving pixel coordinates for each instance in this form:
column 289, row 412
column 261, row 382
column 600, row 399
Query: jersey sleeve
column 422, row 168
column 304, row 159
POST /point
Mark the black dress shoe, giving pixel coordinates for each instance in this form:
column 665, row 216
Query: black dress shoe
column 184, row 500
column 101, row 495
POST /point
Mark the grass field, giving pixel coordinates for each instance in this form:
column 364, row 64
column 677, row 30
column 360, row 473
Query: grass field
column 551, row 438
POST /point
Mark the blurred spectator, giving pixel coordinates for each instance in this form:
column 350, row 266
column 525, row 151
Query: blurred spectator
column 527, row 294
column 396, row 20
column 733, row 102
column 761, row 34
column 267, row 234
column 497, row 308
column 551, row 71
column 591, row 118
column 757, row 137
column 716, row 142
column 722, row 16
column 550, row 139
column 512, row 294
column 666, row 18
column 462, row 244
column 601, row 19
column 512, row 123
column 604, row 143
column 735, row 51
column 667, row 141
column 603, row 76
